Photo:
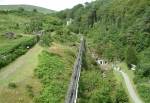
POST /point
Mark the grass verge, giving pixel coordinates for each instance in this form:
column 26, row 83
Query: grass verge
column 131, row 75
column 54, row 71
column 94, row 87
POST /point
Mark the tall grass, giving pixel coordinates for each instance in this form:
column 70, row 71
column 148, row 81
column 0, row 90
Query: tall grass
column 54, row 72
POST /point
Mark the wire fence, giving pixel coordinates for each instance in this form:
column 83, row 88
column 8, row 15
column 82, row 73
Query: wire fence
column 71, row 96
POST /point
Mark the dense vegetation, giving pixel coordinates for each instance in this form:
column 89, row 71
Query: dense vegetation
column 50, row 71
column 28, row 22
column 113, row 25
column 95, row 88
column 27, row 28
column 143, row 75
column 54, row 71
column 119, row 30
column 23, row 24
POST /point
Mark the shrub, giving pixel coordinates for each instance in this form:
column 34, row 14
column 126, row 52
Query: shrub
column 12, row 85
column 131, row 57
column 46, row 40
column 29, row 90
column 121, row 96
column 144, row 91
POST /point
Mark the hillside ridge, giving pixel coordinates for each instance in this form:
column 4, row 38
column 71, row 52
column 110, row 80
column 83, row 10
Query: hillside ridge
column 26, row 7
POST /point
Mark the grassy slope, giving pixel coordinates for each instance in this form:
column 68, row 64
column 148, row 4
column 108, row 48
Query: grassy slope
column 26, row 7
column 21, row 72
column 94, row 88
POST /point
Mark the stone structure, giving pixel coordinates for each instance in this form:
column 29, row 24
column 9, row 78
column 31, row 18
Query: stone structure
column 101, row 61
column 10, row 35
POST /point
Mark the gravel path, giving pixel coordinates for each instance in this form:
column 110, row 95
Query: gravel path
column 130, row 87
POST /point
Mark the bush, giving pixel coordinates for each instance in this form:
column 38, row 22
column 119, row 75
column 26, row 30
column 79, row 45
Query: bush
column 12, row 85
column 121, row 96
column 29, row 90
column 144, row 91
column 46, row 40
column 93, row 88
column 131, row 57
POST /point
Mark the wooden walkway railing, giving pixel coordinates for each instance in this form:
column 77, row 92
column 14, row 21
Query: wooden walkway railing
column 73, row 87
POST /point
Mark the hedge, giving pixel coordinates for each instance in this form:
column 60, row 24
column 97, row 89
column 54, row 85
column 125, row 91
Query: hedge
column 10, row 52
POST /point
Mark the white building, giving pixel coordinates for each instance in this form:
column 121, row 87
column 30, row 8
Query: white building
column 69, row 21
column 101, row 61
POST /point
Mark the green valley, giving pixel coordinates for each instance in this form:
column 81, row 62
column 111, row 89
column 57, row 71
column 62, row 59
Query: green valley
column 96, row 52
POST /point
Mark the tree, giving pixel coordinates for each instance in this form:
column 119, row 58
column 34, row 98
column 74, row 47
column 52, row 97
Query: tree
column 21, row 9
column 34, row 10
column 34, row 25
column 46, row 39
column 131, row 57
column 92, row 18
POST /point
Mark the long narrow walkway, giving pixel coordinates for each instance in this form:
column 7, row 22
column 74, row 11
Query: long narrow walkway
column 21, row 68
column 130, row 87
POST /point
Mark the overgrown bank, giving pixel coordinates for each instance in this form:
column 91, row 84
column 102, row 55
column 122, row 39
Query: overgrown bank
column 95, row 88
column 119, row 30
column 54, row 72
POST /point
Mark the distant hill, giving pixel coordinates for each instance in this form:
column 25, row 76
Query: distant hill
column 26, row 7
